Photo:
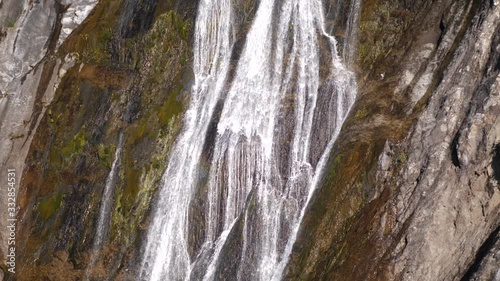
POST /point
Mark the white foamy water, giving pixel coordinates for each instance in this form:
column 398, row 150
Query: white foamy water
column 247, row 194
column 105, row 211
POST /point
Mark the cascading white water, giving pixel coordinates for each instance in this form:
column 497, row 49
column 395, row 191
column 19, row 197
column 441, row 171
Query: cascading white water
column 279, row 68
column 349, row 47
column 166, row 250
column 102, row 225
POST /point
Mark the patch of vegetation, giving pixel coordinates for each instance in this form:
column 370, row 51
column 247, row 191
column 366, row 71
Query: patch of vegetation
column 97, row 47
column 11, row 23
column 72, row 145
column 402, row 157
column 381, row 23
column 170, row 108
column 361, row 113
column 92, row 42
column 160, row 57
column 106, row 154
column 76, row 144
column 47, row 207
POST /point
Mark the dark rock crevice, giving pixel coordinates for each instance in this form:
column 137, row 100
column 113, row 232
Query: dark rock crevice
column 454, row 151
column 137, row 17
column 483, row 251
column 495, row 163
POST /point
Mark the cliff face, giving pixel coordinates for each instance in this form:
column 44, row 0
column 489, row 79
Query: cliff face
column 122, row 72
column 411, row 190
column 29, row 73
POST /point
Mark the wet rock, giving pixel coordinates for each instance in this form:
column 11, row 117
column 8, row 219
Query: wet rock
column 137, row 17
column 119, row 85
column 412, row 187
column 431, row 217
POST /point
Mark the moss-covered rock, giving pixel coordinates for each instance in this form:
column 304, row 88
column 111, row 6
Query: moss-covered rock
column 349, row 229
column 49, row 206
column 130, row 85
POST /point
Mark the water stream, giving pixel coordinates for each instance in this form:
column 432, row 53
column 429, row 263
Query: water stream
column 105, row 212
column 281, row 113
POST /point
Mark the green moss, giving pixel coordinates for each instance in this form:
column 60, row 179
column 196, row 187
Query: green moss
column 337, row 161
column 95, row 34
column 92, row 43
column 402, row 157
column 49, row 206
column 381, row 23
column 105, row 36
column 106, row 154
column 165, row 44
column 170, row 108
column 361, row 113
column 158, row 63
column 55, row 158
column 132, row 180
column 146, row 126
column 138, row 185
column 50, row 116
column 358, row 185
column 362, row 51
column 334, row 169
column 75, row 145
column 132, row 173
column 97, row 47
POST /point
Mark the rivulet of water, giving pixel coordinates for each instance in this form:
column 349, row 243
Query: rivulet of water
column 103, row 220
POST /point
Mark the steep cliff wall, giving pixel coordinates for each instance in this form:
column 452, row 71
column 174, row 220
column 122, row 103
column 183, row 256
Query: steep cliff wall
column 411, row 191
column 30, row 33
column 116, row 74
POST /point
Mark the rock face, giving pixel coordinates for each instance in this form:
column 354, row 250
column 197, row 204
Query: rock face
column 29, row 75
column 63, row 117
column 420, row 201
column 412, row 189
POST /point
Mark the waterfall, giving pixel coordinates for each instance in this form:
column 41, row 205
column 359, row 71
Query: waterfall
column 351, row 39
column 278, row 118
column 105, row 210
column 166, row 251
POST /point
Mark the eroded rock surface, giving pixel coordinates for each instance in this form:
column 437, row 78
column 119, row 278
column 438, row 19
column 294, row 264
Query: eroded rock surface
column 412, row 189
column 29, row 77
column 426, row 208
